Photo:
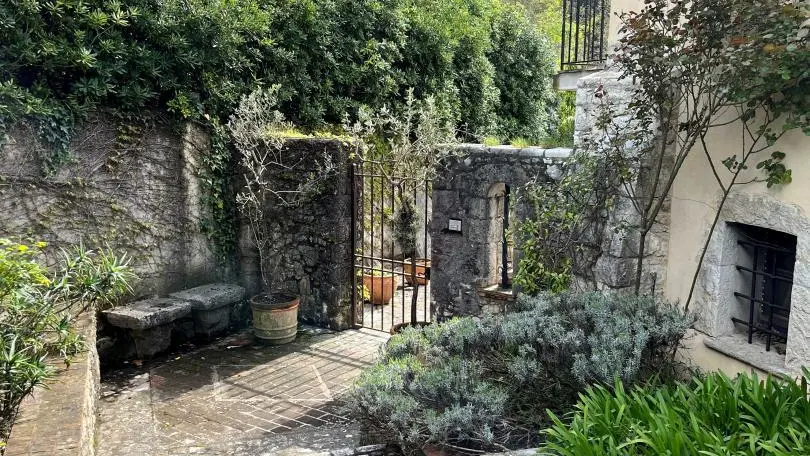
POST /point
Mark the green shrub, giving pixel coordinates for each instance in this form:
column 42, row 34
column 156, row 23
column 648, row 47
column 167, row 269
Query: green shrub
column 37, row 310
column 524, row 71
column 485, row 383
column 197, row 58
column 712, row 415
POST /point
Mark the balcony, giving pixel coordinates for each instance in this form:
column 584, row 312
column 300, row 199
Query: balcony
column 584, row 40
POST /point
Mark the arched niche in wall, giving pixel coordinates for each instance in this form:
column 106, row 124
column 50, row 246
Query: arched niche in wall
column 497, row 234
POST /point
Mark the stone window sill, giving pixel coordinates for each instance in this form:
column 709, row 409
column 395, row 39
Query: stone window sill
column 497, row 293
column 736, row 346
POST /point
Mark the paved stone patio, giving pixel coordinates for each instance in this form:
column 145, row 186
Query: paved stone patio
column 382, row 317
column 236, row 397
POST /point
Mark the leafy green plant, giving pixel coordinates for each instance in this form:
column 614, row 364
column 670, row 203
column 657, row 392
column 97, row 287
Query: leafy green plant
column 561, row 238
column 257, row 131
column 711, row 415
column 563, row 134
column 37, row 311
column 485, row 383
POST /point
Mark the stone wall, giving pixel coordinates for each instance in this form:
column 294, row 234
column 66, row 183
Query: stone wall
column 463, row 261
column 311, row 254
column 61, row 420
column 615, row 268
column 138, row 194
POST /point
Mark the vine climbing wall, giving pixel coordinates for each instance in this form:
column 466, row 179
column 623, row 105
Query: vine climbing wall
column 134, row 189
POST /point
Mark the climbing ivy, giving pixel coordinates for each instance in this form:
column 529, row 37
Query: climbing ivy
column 61, row 61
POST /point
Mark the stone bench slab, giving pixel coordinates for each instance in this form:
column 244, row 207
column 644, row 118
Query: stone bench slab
column 149, row 313
column 211, row 296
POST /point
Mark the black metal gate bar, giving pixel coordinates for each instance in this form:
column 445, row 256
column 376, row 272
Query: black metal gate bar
column 376, row 197
column 771, row 278
column 583, row 33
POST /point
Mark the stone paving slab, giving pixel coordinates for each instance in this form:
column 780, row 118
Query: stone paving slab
column 398, row 310
column 236, row 397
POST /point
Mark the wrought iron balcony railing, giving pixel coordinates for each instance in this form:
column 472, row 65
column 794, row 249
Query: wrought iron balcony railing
column 584, row 28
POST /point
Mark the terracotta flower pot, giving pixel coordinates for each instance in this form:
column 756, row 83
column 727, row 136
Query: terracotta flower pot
column 381, row 288
column 275, row 317
column 418, row 266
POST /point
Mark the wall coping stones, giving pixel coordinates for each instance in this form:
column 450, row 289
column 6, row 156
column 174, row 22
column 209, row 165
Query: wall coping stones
column 211, row 296
column 149, row 313
column 535, row 152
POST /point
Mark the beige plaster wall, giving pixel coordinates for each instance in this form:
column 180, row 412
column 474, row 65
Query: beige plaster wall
column 697, row 354
column 618, row 7
column 695, row 200
column 696, row 197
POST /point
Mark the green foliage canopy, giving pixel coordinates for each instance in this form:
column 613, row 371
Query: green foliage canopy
column 196, row 58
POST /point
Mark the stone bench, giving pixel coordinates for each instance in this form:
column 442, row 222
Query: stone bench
column 202, row 312
column 150, row 322
column 211, row 305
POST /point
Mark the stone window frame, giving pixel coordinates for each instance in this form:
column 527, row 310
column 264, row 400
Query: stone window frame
column 719, row 278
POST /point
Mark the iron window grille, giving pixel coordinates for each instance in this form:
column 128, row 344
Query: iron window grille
column 770, row 270
column 583, row 34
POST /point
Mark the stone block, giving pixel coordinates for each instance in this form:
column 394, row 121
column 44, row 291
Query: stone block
column 211, row 296
column 211, row 323
column 211, row 306
column 151, row 341
column 149, row 313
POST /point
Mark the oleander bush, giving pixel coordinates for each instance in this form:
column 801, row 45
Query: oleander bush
column 37, row 311
column 486, row 383
column 711, row 415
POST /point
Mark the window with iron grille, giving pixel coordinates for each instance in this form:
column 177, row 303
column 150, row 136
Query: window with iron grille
column 584, row 25
column 766, row 260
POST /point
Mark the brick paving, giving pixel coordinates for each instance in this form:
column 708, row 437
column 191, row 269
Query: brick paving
column 236, row 397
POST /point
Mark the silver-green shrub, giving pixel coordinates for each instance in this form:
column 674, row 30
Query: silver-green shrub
column 486, row 382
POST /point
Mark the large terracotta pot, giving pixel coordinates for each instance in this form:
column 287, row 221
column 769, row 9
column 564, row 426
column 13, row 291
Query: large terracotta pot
column 275, row 317
column 419, row 267
column 381, row 288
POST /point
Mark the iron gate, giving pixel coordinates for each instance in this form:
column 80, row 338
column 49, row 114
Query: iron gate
column 390, row 281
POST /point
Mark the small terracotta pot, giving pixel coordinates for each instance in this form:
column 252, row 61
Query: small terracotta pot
column 418, row 266
column 381, row 288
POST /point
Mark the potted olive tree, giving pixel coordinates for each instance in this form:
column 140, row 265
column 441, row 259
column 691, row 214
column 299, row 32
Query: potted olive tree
column 412, row 143
column 257, row 130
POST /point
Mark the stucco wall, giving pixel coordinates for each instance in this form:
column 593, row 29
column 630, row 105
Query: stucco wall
column 696, row 197
column 140, row 195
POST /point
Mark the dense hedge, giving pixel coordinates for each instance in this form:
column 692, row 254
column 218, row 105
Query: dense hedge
column 60, row 60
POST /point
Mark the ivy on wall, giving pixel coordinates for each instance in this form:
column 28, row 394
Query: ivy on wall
column 61, row 61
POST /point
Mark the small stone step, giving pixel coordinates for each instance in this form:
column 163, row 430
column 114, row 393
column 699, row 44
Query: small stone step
column 211, row 296
column 149, row 313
